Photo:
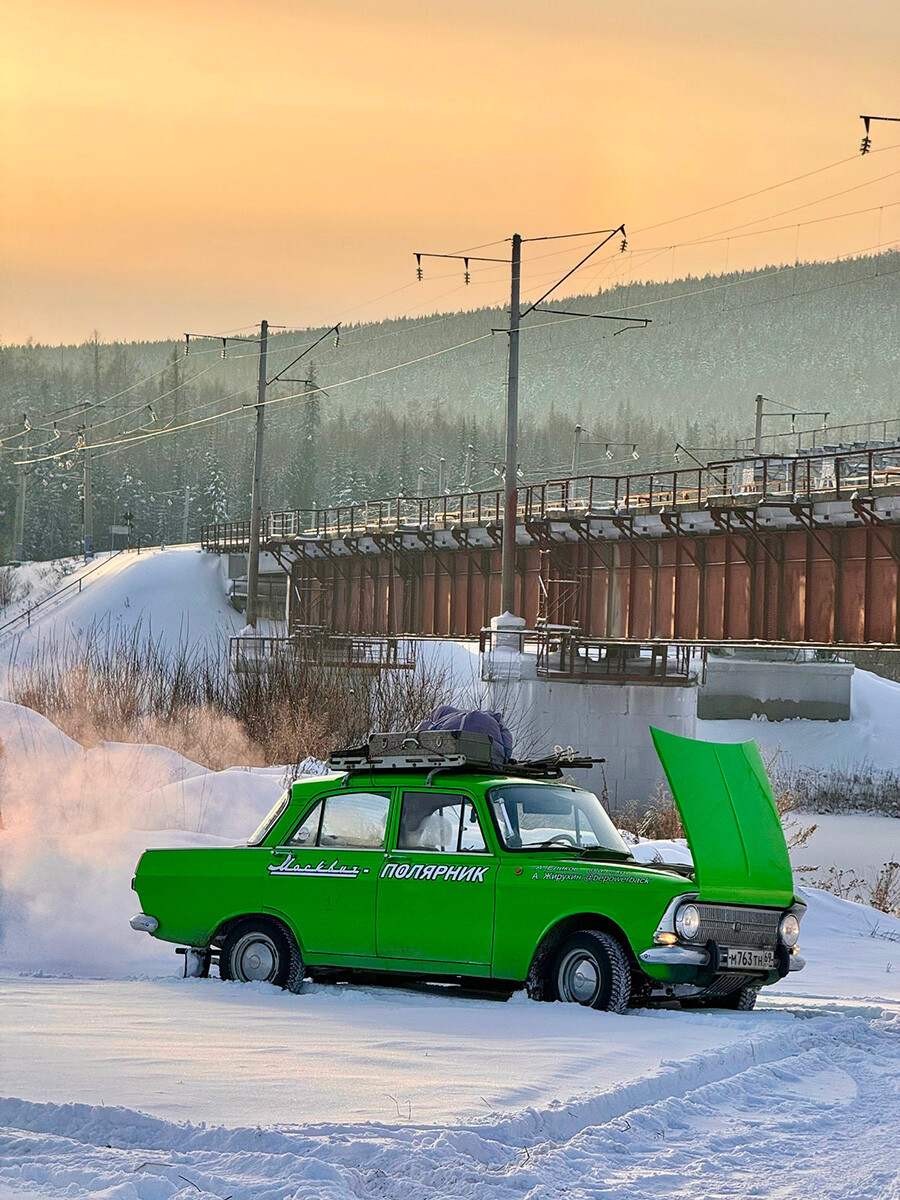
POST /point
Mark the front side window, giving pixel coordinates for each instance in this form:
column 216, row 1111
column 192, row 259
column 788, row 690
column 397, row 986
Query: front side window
column 267, row 824
column 439, row 821
column 532, row 816
column 345, row 821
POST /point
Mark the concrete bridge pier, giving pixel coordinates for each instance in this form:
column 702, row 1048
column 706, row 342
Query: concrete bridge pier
column 608, row 719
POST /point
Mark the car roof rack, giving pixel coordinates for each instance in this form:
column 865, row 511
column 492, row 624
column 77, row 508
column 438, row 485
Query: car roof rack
column 441, row 750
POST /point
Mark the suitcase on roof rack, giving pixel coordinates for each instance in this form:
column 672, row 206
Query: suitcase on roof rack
column 435, row 744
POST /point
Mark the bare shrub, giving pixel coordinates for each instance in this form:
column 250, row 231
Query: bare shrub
column 879, row 889
column 125, row 686
column 658, row 820
column 8, row 586
column 796, row 835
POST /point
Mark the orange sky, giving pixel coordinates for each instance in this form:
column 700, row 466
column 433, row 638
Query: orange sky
column 169, row 166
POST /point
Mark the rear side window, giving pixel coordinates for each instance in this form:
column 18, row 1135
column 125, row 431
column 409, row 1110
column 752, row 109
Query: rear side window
column 348, row 821
column 440, row 822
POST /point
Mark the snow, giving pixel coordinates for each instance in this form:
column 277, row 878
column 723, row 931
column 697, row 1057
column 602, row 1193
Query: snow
column 860, row 843
column 176, row 596
column 121, row 1081
column 868, row 739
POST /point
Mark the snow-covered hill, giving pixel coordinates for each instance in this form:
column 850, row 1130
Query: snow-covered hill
column 176, row 595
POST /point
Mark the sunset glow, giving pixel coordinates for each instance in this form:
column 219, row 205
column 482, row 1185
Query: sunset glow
column 165, row 165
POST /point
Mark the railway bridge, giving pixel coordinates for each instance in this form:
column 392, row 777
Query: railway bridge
column 790, row 550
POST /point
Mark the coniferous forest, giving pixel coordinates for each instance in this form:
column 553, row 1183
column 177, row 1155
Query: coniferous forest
column 813, row 336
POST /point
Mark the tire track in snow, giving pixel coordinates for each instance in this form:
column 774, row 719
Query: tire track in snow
column 808, row 1111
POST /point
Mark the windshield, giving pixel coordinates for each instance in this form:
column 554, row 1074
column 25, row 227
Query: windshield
column 264, row 828
column 533, row 816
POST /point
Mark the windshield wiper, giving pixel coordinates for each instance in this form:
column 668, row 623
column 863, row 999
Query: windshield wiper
column 604, row 852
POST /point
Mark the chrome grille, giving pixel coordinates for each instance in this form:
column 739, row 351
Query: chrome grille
column 732, row 925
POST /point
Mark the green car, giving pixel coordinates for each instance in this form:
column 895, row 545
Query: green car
column 439, row 867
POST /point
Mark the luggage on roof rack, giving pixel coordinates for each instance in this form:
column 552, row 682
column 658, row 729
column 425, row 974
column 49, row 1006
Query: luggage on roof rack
column 423, row 748
column 430, row 749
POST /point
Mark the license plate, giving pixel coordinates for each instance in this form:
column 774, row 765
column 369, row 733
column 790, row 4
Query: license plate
column 747, row 960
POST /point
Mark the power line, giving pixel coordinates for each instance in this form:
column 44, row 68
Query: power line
column 761, row 191
column 140, row 438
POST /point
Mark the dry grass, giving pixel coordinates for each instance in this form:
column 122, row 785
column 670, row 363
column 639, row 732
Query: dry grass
column 124, row 686
column 856, row 787
column 658, row 819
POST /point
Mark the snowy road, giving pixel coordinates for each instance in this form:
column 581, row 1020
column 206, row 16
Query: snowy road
column 796, row 1103
column 249, row 1055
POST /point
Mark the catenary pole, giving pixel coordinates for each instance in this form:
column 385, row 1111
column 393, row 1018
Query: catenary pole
column 87, row 492
column 511, row 508
column 256, row 493
column 185, row 514
column 19, row 553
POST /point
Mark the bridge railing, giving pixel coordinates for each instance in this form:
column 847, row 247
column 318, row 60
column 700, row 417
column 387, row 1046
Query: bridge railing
column 731, row 483
column 226, row 537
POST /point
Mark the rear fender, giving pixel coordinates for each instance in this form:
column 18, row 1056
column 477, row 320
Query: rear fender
column 269, row 914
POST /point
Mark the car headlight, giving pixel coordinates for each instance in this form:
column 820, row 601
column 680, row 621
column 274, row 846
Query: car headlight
column 789, row 929
column 687, row 921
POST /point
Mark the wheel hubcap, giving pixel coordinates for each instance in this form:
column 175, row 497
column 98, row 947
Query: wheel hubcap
column 579, row 977
column 255, row 959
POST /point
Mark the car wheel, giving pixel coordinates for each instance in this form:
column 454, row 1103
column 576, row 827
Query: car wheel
column 591, row 968
column 743, row 999
column 261, row 952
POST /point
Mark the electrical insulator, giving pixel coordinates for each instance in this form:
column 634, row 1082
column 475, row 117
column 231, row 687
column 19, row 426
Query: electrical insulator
column 624, row 245
column 56, row 432
column 25, row 421
column 224, row 347
column 337, row 338
column 634, row 453
column 468, row 277
column 153, row 416
column 609, row 452
column 419, row 275
column 187, row 344
column 865, row 145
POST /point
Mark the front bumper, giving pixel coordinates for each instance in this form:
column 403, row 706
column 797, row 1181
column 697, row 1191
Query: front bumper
column 144, row 923
column 676, row 956
column 700, row 958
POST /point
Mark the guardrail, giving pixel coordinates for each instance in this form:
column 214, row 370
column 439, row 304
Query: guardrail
column 564, row 652
column 742, row 481
column 325, row 649
column 74, row 585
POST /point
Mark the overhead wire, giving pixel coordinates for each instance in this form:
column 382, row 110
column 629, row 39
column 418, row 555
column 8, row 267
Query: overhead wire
column 761, row 191
column 243, row 409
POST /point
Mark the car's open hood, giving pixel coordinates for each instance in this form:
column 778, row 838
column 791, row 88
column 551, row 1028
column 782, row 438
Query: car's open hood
column 730, row 818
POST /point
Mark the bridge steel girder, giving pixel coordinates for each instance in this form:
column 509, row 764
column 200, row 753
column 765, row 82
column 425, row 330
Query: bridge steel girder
column 816, row 583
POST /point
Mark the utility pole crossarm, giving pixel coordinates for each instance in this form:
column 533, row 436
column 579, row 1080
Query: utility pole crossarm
column 612, row 233
column 866, row 144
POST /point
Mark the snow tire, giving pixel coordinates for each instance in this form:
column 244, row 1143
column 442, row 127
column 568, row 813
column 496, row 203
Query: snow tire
column 741, row 1000
column 260, row 951
column 592, row 969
